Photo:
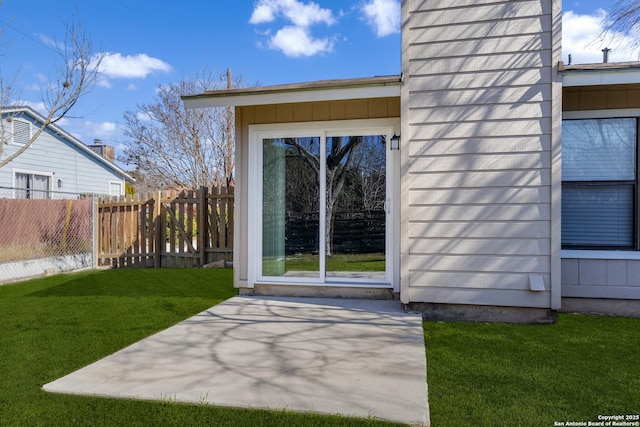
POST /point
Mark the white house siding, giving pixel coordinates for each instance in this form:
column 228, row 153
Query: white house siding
column 481, row 152
column 79, row 171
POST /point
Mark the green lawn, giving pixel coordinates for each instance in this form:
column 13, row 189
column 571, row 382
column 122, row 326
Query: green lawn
column 53, row 326
column 478, row 374
column 374, row 262
column 525, row 375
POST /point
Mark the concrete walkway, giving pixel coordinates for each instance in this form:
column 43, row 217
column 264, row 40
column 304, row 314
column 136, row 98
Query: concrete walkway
column 337, row 356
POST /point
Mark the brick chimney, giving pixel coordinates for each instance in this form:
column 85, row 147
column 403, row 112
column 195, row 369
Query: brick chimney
column 106, row 151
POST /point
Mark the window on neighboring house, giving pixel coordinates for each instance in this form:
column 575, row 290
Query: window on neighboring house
column 32, row 186
column 115, row 188
column 599, row 183
column 21, row 132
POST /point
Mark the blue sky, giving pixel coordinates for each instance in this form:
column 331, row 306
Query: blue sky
column 147, row 43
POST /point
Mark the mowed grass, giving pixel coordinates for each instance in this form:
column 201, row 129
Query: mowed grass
column 337, row 262
column 478, row 374
column 53, row 326
column 526, row 375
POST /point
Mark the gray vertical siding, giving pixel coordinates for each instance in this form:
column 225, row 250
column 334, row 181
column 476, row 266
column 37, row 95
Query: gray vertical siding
column 481, row 153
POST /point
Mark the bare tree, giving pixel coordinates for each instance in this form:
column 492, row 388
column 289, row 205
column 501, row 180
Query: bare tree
column 339, row 158
column 76, row 72
column 624, row 20
column 172, row 146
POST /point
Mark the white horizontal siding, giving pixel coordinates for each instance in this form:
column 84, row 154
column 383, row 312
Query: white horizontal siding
column 480, row 29
column 480, row 229
column 478, row 179
column 478, row 196
column 483, row 80
column 450, row 14
column 489, row 145
column 489, row 62
column 478, row 150
column 482, row 162
column 474, row 247
column 486, row 295
column 473, row 280
column 479, row 129
column 495, row 211
column 480, row 264
column 434, row 98
column 484, row 112
column 506, row 44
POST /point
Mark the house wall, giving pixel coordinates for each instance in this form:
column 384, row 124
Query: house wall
column 78, row 171
column 481, row 125
column 288, row 113
column 613, row 275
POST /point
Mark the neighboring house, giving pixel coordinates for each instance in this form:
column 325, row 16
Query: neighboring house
column 473, row 201
column 55, row 162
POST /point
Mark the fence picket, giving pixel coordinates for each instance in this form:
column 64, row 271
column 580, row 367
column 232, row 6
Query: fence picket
column 185, row 229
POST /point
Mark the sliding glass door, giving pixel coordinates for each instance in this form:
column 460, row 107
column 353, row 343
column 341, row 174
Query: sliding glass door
column 323, row 207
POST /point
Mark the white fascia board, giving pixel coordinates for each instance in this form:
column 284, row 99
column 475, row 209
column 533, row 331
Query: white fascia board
column 600, row 77
column 292, row 96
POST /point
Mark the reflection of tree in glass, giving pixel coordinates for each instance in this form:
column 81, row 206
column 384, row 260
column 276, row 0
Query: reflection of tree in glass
column 355, row 177
column 598, row 149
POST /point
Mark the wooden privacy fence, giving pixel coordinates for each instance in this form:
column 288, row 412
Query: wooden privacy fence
column 166, row 229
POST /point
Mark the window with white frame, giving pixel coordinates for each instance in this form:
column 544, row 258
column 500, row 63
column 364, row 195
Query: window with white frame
column 32, row 186
column 600, row 183
column 115, row 188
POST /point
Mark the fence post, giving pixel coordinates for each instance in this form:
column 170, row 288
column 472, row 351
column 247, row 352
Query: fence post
column 203, row 210
column 159, row 225
column 95, row 216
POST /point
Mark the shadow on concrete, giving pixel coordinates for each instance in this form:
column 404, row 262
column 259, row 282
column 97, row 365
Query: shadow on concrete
column 352, row 357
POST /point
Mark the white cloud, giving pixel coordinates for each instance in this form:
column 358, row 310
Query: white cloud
column 298, row 13
column 582, row 39
column 118, row 66
column 262, row 13
column 383, row 16
column 104, row 82
column 36, row 105
column 48, row 41
column 143, row 117
column 296, row 42
column 90, row 130
column 131, row 86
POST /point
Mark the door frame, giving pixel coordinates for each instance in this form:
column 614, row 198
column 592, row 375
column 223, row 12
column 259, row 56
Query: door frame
column 323, row 129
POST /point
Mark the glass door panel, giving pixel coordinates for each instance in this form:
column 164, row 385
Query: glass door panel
column 290, row 207
column 355, row 207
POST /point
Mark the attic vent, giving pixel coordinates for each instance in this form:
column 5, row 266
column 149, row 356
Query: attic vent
column 21, row 132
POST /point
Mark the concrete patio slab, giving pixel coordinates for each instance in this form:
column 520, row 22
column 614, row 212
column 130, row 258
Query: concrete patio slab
column 353, row 357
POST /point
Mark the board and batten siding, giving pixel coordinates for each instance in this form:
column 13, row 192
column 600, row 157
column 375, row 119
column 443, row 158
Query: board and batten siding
column 78, row 171
column 481, row 123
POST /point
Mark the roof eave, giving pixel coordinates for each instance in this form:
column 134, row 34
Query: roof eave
column 600, row 74
column 327, row 90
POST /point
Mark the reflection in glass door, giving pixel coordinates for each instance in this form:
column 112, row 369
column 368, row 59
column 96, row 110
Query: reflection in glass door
column 323, row 208
column 355, row 202
column 290, row 207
